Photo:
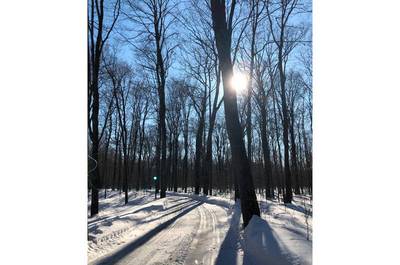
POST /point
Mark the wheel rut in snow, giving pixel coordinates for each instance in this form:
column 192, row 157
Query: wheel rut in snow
column 206, row 242
column 156, row 245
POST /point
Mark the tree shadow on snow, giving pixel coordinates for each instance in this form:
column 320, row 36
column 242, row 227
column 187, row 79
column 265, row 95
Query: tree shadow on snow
column 228, row 252
column 299, row 208
column 262, row 247
column 145, row 209
column 130, row 247
column 95, row 228
column 206, row 199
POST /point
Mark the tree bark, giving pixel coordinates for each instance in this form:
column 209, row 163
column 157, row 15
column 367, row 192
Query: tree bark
column 269, row 193
column 240, row 162
column 294, row 154
column 198, row 155
column 208, row 159
column 186, row 147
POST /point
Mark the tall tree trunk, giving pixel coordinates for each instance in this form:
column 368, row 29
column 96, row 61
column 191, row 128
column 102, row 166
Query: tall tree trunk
column 294, row 155
column 280, row 178
column 208, row 159
column 115, row 183
column 175, row 164
column 105, row 170
column 169, row 161
column 158, row 159
column 254, row 24
column 285, row 123
column 119, row 166
column 163, row 138
column 95, row 48
column 301, row 159
column 139, row 167
column 94, row 88
column 266, row 152
column 208, row 163
column 141, row 143
column 199, row 147
column 185, row 157
column 276, row 167
column 126, row 166
column 240, row 162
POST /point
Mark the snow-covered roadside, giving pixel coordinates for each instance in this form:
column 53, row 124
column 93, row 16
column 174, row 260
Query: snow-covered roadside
column 117, row 223
column 210, row 226
column 115, row 202
column 289, row 227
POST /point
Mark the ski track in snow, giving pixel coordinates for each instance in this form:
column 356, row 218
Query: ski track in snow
column 180, row 229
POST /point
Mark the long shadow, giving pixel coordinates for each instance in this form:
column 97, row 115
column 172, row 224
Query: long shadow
column 228, row 252
column 112, row 218
column 265, row 206
column 148, row 208
column 123, row 252
column 261, row 245
column 120, row 204
column 95, row 229
column 189, row 203
column 299, row 208
column 205, row 199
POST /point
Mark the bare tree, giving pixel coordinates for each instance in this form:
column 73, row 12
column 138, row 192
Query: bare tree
column 98, row 36
column 143, row 115
column 120, row 75
column 256, row 9
column 155, row 18
column 262, row 102
column 278, row 19
column 222, row 26
column 204, row 68
column 186, row 110
column 177, row 91
column 199, row 101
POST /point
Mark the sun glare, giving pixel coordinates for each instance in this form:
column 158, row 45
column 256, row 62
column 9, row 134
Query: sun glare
column 239, row 82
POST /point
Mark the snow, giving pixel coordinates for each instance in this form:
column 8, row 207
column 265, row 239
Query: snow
column 260, row 244
column 191, row 229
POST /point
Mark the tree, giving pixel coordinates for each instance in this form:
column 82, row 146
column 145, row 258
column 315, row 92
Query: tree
column 186, row 110
column 120, row 75
column 199, row 103
column 262, row 102
column 255, row 17
column 198, row 25
column 177, row 89
column 223, row 37
column 285, row 40
column 156, row 19
column 144, row 111
column 98, row 36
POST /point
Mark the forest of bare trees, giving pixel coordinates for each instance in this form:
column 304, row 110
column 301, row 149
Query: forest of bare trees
column 162, row 100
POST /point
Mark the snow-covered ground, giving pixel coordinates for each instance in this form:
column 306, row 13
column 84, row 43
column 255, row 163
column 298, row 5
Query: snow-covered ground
column 190, row 229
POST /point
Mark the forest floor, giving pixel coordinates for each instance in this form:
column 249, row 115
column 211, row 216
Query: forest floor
column 190, row 229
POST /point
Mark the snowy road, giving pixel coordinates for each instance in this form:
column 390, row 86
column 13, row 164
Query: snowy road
column 189, row 231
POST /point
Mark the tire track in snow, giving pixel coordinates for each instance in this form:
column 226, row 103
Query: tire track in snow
column 160, row 240
column 120, row 232
column 207, row 240
column 158, row 247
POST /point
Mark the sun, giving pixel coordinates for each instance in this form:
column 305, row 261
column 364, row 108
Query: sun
column 239, row 82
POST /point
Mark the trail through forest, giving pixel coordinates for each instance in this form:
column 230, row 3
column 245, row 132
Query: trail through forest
column 183, row 229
